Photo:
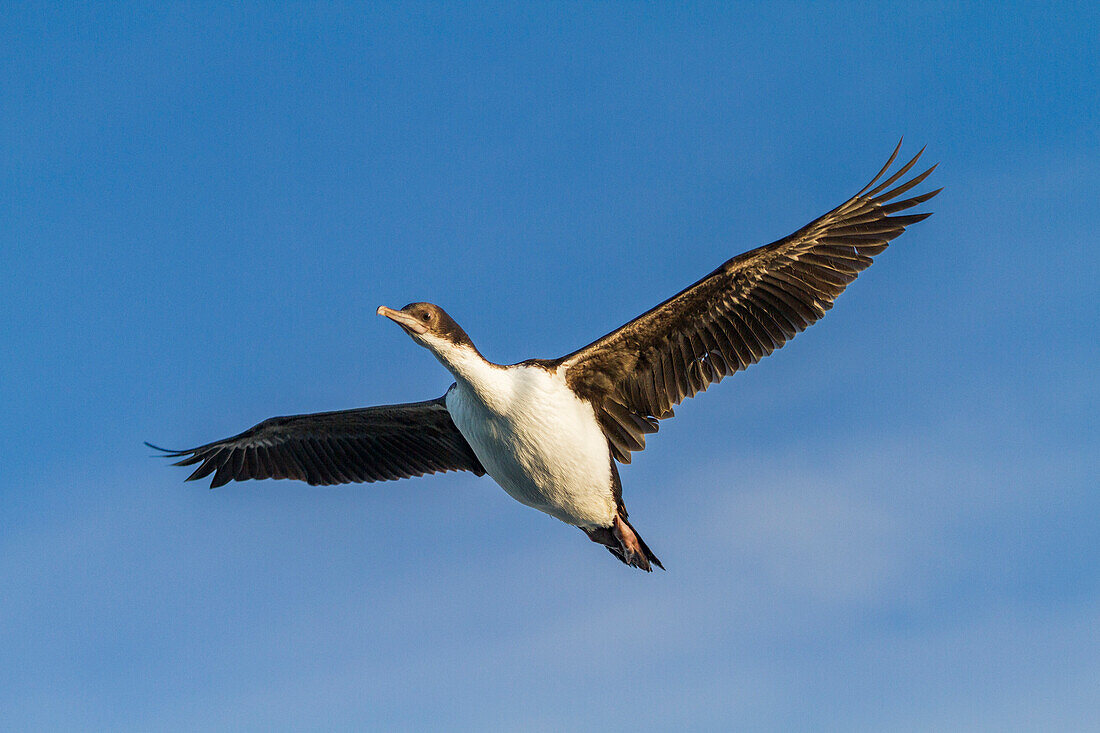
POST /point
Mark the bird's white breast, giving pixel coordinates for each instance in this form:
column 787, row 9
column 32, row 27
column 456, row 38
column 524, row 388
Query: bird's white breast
column 538, row 440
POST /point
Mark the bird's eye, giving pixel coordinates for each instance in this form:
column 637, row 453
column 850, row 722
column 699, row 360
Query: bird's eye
column 427, row 316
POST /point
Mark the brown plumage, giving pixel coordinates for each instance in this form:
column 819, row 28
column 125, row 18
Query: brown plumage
column 380, row 443
column 735, row 316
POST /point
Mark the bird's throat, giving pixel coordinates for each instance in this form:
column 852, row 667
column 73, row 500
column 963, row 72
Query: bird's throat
column 486, row 380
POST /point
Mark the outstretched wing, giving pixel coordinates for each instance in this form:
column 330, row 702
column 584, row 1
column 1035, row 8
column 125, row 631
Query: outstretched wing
column 370, row 444
column 736, row 315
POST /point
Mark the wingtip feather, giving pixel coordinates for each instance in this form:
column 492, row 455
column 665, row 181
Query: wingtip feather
column 165, row 452
column 897, row 174
column 890, row 162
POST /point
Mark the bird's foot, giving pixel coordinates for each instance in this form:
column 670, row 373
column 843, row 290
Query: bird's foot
column 624, row 543
column 629, row 544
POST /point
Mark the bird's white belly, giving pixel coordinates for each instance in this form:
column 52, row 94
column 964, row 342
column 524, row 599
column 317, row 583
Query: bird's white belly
column 540, row 442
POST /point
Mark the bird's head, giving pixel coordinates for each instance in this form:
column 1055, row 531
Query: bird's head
column 431, row 327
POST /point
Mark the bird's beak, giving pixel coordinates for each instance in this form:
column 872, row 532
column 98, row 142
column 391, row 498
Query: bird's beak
column 402, row 319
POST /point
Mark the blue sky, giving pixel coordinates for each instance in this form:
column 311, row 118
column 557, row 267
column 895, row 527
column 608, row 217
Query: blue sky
column 892, row 523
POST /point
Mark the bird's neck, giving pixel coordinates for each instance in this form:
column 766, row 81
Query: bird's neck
column 485, row 379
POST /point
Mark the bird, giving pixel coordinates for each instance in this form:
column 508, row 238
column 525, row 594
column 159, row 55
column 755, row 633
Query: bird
column 551, row 431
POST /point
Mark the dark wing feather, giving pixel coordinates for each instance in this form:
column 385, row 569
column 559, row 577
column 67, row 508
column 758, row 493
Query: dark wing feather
column 736, row 315
column 370, row 444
